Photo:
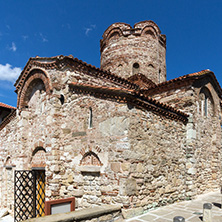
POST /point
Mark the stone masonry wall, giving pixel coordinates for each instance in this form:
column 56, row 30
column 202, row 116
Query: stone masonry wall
column 134, row 147
column 126, row 51
column 104, row 152
column 128, row 156
column 203, row 135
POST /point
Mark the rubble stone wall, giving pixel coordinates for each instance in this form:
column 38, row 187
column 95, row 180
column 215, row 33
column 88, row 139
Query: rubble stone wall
column 105, row 152
column 203, row 134
column 127, row 156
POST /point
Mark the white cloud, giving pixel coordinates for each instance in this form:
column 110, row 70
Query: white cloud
column 25, row 37
column 87, row 30
column 13, row 47
column 8, row 73
column 44, row 39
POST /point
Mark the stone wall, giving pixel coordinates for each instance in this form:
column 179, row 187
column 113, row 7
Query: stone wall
column 203, row 134
column 135, row 150
column 128, row 156
column 102, row 151
column 126, row 51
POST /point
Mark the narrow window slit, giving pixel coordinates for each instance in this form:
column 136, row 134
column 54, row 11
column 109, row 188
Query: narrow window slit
column 90, row 118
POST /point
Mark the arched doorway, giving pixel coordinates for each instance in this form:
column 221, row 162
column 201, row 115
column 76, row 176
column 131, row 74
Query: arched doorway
column 38, row 166
column 30, row 188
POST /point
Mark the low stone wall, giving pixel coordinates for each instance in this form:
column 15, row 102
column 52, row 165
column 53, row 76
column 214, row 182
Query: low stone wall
column 104, row 213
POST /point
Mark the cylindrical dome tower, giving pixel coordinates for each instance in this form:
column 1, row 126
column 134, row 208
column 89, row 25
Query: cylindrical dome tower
column 126, row 51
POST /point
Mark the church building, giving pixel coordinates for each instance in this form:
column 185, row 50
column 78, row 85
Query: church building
column 118, row 134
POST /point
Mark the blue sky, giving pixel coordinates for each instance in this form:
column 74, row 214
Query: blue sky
column 50, row 27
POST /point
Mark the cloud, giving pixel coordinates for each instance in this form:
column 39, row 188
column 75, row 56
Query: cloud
column 44, row 39
column 89, row 29
column 25, row 37
column 13, row 47
column 8, row 73
column 1, row 95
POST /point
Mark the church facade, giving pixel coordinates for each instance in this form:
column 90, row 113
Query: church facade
column 119, row 134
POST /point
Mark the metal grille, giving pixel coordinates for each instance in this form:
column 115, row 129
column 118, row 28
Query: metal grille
column 29, row 194
column 24, row 195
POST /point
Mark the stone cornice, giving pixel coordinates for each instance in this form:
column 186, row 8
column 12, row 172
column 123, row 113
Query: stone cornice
column 130, row 96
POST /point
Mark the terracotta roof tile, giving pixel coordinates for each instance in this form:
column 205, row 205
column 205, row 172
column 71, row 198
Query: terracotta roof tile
column 6, row 106
column 175, row 82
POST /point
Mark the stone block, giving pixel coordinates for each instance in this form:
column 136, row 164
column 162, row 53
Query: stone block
column 125, row 166
column 66, row 131
column 78, row 193
column 131, row 187
column 128, row 213
column 70, row 179
column 115, row 167
column 77, row 134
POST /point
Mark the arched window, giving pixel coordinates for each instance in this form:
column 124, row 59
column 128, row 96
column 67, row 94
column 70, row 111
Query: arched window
column 90, row 118
column 206, row 102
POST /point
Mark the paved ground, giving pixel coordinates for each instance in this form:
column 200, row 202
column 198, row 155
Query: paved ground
column 190, row 210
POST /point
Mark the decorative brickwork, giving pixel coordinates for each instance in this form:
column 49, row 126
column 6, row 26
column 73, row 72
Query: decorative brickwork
column 25, row 92
column 143, row 47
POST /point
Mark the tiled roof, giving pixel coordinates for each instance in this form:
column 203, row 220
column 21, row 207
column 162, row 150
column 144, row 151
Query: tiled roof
column 59, row 62
column 142, row 81
column 175, row 83
column 6, row 106
column 126, row 95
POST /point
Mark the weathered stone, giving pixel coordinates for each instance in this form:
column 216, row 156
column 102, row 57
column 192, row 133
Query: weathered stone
column 76, row 134
column 78, row 193
column 131, row 187
column 128, row 213
column 115, row 167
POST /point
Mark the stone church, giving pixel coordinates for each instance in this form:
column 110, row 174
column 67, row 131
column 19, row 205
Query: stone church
column 118, row 134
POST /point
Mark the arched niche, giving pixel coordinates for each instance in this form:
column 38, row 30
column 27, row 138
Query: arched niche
column 36, row 84
column 149, row 31
column 38, row 159
column 8, row 163
column 90, row 159
column 207, row 107
column 90, row 163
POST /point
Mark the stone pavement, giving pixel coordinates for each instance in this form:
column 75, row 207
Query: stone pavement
column 191, row 210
